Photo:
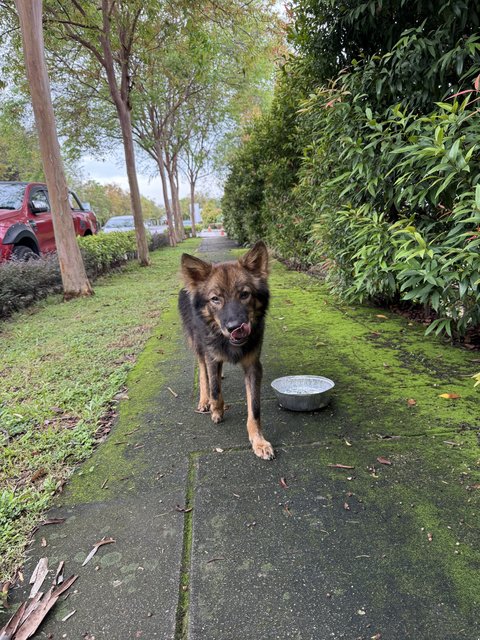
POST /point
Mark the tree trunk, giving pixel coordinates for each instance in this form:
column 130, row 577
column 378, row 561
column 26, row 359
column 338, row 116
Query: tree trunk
column 176, row 214
column 120, row 97
column 192, row 206
column 74, row 277
column 177, row 195
column 128, row 145
column 168, row 210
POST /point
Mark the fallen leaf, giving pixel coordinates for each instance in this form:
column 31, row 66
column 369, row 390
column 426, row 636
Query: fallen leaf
column 52, row 521
column 29, row 616
column 340, row 466
column 69, row 615
column 383, row 460
column 449, row 396
column 471, row 487
column 182, row 509
column 283, row 483
column 39, row 473
column 96, row 547
column 59, row 573
column 38, row 576
column 380, row 315
column 411, row 402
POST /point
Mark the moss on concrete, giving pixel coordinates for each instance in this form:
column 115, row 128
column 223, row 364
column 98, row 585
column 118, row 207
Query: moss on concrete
column 116, row 465
column 373, row 360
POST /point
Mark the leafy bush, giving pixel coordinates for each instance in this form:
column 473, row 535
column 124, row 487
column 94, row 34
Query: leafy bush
column 368, row 160
column 106, row 250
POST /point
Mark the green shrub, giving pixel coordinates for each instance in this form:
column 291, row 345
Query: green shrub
column 107, row 250
column 368, row 160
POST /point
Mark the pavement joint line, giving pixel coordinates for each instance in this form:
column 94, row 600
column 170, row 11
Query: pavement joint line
column 314, row 443
column 183, row 605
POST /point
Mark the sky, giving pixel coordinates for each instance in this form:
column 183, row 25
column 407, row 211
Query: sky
column 112, row 170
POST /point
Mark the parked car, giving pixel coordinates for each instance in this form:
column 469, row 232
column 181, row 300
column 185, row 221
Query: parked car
column 119, row 223
column 126, row 223
column 26, row 225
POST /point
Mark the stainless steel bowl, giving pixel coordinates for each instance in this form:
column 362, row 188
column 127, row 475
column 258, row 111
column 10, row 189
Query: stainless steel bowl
column 303, row 393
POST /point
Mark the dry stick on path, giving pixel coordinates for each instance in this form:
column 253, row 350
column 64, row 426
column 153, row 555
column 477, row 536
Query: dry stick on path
column 74, row 277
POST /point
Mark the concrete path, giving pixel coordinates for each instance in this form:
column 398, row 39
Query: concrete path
column 212, row 543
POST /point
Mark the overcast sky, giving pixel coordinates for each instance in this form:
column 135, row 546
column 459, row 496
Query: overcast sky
column 112, row 170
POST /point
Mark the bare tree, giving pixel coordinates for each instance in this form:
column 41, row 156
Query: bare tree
column 74, row 277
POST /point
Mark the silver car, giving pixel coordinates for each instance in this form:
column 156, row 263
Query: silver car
column 126, row 223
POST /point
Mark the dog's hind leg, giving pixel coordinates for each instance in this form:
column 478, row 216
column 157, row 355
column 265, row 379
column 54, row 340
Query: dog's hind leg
column 204, row 401
column 253, row 379
column 217, row 406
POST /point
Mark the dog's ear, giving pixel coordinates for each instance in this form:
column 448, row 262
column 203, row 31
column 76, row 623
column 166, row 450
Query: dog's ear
column 194, row 270
column 256, row 260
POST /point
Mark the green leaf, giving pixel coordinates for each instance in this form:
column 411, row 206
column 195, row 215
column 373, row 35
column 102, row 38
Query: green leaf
column 477, row 196
column 439, row 136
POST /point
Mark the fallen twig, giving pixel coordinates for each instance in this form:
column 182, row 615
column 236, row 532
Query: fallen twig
column 96, row 547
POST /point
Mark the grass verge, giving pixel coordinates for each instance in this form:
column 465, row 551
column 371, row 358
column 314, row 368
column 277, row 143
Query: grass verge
column 62, row 365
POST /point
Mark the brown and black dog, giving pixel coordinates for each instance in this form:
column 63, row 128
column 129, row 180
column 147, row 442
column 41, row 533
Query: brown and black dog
column 223, row 309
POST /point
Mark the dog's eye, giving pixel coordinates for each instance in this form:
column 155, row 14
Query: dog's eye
column 215, row 299
column 244, row 295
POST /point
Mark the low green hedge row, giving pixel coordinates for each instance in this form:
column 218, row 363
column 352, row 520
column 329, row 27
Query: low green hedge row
column 22, row 283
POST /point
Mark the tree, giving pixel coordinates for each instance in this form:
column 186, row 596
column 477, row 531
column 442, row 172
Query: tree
column 205, row 118
column 20, row 157
column 74, row 277
column 108, row 34
column 211, row 212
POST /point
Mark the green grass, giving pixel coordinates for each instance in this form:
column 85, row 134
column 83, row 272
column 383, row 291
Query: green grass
column 62, row 364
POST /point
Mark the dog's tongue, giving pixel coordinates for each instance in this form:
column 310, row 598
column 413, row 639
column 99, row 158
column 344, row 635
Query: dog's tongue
column 241, row 332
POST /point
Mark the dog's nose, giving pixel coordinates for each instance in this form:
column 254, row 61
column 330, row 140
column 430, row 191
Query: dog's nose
column 232, row 325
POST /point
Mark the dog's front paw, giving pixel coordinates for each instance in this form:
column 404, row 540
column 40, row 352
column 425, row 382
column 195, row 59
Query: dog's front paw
column 217, row 416
column 263, row 449
column 203, row 407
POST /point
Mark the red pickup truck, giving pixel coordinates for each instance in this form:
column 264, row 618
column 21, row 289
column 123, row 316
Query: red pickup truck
column 26, row 225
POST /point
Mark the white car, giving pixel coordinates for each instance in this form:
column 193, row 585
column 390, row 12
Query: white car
column 126, row 223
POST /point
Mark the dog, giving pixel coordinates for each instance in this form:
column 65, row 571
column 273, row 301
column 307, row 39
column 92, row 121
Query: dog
column 223, row 307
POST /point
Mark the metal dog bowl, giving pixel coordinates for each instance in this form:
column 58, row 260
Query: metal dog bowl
column 303, row 393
